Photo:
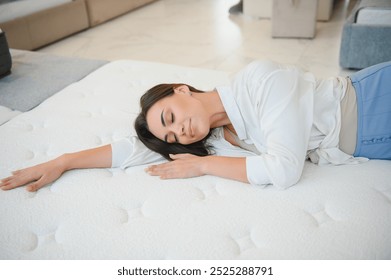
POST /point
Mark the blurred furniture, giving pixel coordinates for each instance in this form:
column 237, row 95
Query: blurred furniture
column 30, row 24
column 100, row 11
column 366, row 36
column 263, row 8
column 294, row 19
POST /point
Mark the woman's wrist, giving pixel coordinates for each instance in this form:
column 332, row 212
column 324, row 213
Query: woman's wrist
column 226, row 167
column 64, row 162
column 205, row 164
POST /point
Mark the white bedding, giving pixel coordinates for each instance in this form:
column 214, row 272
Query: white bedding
column 6, row 114
column 339, row 212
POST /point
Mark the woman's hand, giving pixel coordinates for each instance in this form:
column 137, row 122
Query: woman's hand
column 182, row 166
column 45, row 173
column 187, row 165
column 36, row 176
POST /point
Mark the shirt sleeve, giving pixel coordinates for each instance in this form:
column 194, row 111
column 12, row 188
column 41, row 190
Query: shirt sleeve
column 285, row 112
column 131, row 151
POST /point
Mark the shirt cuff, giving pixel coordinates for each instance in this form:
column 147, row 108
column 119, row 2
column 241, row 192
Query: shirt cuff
column 120, row 152
column 256, row 171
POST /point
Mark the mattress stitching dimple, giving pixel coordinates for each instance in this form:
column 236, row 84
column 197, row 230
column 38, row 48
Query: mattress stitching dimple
column 384, row 193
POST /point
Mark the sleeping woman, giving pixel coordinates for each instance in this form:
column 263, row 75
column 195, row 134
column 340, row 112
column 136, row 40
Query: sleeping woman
column 258, row 130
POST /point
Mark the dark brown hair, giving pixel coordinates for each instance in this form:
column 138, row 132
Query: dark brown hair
column 149, row 98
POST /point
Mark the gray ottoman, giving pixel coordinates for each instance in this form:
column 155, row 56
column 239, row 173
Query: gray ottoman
column 366, row 42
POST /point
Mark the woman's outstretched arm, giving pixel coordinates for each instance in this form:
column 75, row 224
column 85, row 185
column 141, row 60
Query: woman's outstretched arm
column 187, row 165
column 35, row 177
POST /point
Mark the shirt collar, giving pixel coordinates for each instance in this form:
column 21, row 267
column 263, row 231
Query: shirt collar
column 232, row 110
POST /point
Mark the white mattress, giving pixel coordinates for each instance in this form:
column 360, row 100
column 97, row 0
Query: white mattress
column 6, row 114
column 374, row 16
column 339, row 212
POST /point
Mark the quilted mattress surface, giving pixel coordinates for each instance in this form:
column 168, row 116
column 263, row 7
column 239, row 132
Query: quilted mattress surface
column 334, row 212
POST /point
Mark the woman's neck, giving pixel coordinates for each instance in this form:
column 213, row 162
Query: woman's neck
column 213, row 105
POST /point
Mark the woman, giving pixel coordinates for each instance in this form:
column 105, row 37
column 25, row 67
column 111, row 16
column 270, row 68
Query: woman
column 259, row 130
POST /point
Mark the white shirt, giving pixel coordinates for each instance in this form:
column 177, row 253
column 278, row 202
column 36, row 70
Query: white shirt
column 283, row 111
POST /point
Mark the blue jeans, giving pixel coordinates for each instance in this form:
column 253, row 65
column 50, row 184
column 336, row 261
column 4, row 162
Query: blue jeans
column 373, row 90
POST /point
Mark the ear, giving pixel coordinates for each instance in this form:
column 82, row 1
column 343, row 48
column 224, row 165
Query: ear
column 182, row 89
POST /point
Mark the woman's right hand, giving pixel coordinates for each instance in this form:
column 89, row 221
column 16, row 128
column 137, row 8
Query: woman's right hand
column 35, row 177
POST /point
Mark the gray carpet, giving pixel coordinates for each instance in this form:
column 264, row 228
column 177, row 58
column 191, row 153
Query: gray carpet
column 36, row 76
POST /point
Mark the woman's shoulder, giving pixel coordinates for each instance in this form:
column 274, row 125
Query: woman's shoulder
column 260, row 69
column 266, row 70
column 264, row 65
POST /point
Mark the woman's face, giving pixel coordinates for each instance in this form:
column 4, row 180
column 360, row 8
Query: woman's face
column 179, row 118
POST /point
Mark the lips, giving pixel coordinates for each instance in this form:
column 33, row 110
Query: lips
column 190, row 129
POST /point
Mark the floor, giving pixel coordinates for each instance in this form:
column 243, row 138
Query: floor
column 203, row 34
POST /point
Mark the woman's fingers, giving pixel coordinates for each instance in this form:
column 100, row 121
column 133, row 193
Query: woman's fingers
column 33, row 187
column 158, row 170
column 8, row 184
column 155, row 170
column 164, row 172
column 182, row 166
column 5, row 181
column 20, row 178
column 180, row 156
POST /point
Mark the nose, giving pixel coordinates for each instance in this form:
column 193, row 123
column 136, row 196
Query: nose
column 179, row 129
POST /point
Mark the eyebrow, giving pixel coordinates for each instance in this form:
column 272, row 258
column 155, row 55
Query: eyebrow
column 162, row 119
column 163, row 123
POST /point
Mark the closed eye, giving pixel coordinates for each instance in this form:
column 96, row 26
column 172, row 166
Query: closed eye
column 175, row 140
column 167, row 136
column 172, row 121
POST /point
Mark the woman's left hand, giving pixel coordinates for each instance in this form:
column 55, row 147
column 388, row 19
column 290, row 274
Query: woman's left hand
column 182, row 166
